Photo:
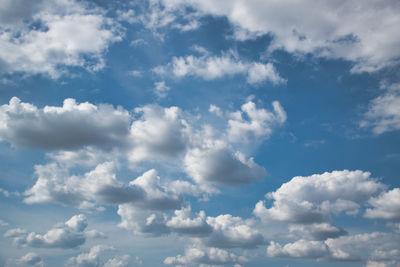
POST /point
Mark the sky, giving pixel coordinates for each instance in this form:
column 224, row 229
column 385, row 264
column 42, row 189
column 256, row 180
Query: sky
column 199, row 133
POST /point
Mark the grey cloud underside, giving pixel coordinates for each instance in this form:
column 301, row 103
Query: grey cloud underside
column 68, row 127
column 100, row 187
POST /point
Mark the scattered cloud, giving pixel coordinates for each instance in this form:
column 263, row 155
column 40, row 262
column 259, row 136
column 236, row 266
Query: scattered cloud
column 215, row 67
column 161, row 89
column 259, row 125
column 95, row 258
column 68, row 235
column 383, row 113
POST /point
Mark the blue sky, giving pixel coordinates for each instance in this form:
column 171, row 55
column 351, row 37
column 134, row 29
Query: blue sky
column 199, row 133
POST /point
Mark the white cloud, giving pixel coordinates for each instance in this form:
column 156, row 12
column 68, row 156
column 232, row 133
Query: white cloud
column 99, row 186
column 95, row 258
column 215, row 67
column 4, row 192
column 194, row 256
column 46, row 37
column 3, row 223
column 385, row 206
column 159, row 133
column 376, row 246
column 218, row 164
column 298, row 249
column 383, row 113
column 216, row 110
column 29, row 259
column 158, row 196
column 313, row 198
column 135, row 73
column 259, row 124
column 68, row 235
column 71, row 126
column 366, row 35
column 229, row 232
column 158, row 17
column 186, row 223
column 161, row 89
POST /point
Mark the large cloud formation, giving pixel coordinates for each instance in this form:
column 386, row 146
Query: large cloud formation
column 366, row 35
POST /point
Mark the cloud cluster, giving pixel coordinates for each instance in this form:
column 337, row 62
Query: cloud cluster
column 224, row 231
column 94, row 258
column 215, row 67
column 314, row 198
column 99, row 186
column 211, row 256
column 67, row 235
column 376, row 246
column 45, row 37
column 365, row 35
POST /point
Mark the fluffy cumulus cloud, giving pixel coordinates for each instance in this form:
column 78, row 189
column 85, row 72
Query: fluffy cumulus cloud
column 99, row 186
column 224, row 231
column 71, row 126
column 260, row 122
column 29, row 259
column 363, row 34
column 45, row 37
column 377, row 246
column 67, row 235
column 211, row 256
column 215, row 67
column 96, row 258
column 229, row 232
column 313, row 198
column 158, row 133
column 185, row 222
column 383, row 113
column 385, row 206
